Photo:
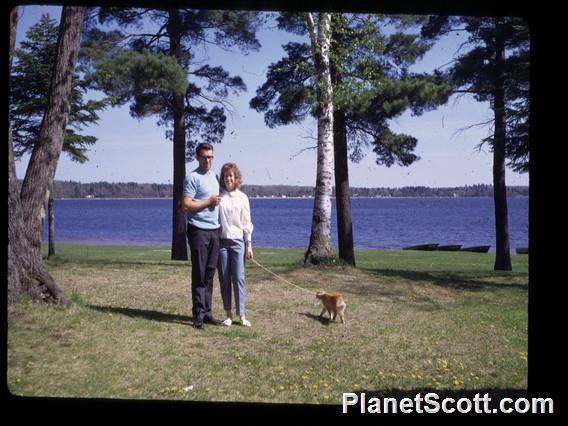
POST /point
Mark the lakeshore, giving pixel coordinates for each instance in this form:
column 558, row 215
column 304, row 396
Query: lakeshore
column 76, row 190
column 378, row 223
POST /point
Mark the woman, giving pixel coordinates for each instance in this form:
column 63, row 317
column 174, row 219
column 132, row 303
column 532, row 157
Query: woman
column 235, row 242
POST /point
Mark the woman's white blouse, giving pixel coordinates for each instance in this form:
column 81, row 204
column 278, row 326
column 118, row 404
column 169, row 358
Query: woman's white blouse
column 234, row 216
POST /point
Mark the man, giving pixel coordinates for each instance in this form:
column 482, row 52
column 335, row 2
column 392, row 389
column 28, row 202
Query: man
column 200, row 202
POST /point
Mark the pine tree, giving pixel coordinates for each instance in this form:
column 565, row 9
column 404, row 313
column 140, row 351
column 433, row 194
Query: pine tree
column 495, row 70
column 196, row 114
column 29, row 81
column 26, row 271
column 30, row 78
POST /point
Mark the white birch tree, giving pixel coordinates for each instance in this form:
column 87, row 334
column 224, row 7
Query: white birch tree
column 320, row 247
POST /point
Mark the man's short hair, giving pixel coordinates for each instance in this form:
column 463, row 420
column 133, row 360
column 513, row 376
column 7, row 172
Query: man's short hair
column 204, row 146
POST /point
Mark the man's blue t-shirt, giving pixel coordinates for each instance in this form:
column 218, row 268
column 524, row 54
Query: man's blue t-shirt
column 199, row 186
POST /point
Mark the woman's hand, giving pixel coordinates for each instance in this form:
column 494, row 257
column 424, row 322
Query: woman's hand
column 249, row 251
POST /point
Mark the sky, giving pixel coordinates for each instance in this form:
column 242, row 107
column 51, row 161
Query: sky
column 131, row 150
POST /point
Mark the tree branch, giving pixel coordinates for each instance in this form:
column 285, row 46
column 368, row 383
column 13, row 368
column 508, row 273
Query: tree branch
column 481, row 124
column 302, row 150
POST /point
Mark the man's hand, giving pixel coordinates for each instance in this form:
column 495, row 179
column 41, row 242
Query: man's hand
column 193, row 206
column 214, row 200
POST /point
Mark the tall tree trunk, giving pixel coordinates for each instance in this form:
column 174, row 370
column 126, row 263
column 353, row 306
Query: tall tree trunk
column 26, row 271
column 51, row 226
column 179, row 242
column 342, row 197
column 320, row 247
column 502, row 250
column 19, row 267
column 27, row 274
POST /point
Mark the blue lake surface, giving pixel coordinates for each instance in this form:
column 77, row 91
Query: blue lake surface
column 378, row 223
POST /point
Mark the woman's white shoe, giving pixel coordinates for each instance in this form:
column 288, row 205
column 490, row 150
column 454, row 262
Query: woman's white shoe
column 246, row 323
column 227, row 322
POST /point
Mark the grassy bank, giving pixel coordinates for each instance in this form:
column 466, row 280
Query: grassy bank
column 415, row 320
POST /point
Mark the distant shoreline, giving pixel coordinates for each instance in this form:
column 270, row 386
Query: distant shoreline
column 131, row 190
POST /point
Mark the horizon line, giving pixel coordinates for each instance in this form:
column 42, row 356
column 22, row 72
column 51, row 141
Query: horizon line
column 297, row 186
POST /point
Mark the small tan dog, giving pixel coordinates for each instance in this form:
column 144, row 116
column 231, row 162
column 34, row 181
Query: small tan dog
column 333, row 303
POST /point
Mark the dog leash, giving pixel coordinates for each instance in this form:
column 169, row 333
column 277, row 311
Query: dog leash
column 283, row 279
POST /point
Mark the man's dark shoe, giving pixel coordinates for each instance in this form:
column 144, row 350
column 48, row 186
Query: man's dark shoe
column 211, row 320
column 198, row 325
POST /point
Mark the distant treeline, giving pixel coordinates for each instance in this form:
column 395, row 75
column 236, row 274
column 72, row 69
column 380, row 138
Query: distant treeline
column 71, row 189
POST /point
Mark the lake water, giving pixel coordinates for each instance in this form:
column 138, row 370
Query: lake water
column 378, row 223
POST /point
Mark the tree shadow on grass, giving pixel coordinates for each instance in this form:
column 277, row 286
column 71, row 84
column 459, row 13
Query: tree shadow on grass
column 145, row 314
column 104, row 262
column 449, row 280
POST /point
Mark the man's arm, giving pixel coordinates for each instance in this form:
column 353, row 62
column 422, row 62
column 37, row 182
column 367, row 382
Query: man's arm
column 189, row 205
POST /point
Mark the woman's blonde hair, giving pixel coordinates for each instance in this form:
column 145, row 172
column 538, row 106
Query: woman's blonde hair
column 230, row 167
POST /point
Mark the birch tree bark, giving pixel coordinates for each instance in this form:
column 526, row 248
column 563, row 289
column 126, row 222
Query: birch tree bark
column 320, row 247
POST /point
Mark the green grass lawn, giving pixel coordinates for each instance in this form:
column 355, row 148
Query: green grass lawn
column 414, row 320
